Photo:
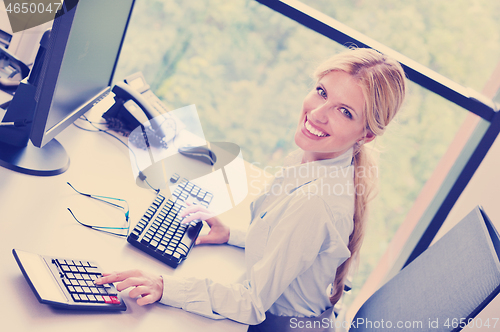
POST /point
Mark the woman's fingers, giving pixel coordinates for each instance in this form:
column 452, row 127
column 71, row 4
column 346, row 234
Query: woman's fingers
column 148, row 299
column 116, row 277
column 200, row 215
column 209, row 238
column 192, row 209
column 140, row 291
column 129, row 282
column 148, row 287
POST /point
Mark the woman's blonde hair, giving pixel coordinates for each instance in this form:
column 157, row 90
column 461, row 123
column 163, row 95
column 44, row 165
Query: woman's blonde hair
column 382, row 81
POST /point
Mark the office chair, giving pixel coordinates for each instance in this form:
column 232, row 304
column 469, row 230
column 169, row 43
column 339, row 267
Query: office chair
column 448, row 284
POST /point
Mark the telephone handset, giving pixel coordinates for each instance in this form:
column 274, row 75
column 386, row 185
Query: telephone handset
column 12, row 70
column 135, row 104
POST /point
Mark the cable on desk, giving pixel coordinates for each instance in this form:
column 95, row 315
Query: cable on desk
column 142, row 176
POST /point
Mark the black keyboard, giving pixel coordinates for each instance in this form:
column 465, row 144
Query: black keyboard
column 68, row 283
column 160, row 233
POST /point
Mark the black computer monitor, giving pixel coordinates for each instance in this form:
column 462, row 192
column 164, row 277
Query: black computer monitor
column 79, row 60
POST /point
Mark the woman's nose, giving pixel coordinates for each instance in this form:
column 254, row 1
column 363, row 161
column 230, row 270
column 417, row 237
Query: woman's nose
column 319, row 114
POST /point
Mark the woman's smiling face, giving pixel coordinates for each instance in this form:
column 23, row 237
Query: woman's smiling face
column 332, row 118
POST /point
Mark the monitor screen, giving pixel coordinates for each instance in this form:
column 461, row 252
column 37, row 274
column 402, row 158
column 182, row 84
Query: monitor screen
column 73, row 70
column 81, row 58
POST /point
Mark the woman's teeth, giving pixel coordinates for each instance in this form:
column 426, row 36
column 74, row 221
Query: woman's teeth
column 314, row 131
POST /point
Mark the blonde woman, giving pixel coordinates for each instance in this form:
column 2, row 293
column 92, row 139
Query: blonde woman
column 307, row 230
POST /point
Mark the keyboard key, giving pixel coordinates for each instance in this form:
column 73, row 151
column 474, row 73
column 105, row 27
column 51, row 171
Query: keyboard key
column 111, row 291
column 201, row 195
column 114, row 300
column 183, row 246
column 208, row 197
column 174, row 178
column 93, row 270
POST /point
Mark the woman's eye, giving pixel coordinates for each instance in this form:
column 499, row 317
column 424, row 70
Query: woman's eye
column 321, row 92
column 346, row 112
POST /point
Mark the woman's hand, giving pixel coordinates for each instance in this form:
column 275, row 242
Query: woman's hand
column 219, row 233
column 148, row 287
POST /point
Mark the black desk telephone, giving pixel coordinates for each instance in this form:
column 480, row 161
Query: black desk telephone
column 135, row 104
column 12, row 70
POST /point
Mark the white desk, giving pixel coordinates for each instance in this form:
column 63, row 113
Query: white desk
column 34, row 218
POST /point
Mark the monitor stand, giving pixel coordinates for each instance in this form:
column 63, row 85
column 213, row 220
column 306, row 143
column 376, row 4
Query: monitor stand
column 49, row 160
